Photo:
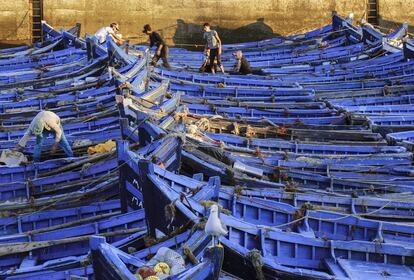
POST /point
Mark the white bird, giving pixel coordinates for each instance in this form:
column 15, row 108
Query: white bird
column 214, row 226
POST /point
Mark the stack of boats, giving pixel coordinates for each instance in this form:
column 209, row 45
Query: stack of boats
column 310, row 163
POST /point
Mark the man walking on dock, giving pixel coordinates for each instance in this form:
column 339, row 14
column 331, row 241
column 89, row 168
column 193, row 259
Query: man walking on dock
column 44, row 124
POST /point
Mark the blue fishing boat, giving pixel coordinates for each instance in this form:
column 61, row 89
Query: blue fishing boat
column 111, row 263
column 310, row 161
column 338, row 256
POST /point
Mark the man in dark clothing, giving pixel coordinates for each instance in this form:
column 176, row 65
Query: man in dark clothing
column 162, row 48
column 242, row 65
column 206, row 67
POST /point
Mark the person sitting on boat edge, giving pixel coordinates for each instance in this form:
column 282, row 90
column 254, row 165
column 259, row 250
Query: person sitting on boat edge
column 44, row 124
column 242, row 66
column 111, row 30
column 162, row 48
column 213, row 45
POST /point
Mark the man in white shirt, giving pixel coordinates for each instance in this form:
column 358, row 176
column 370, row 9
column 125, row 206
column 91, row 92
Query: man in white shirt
column 111, row 30
column 44, row 123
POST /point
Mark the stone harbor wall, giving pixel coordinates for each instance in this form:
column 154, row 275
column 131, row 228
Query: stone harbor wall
column 180, row 21
column 15, row 21
column 394, row 12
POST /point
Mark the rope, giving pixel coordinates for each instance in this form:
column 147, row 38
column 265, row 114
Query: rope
column 314, row 218
column 250, row 133
column 182, row 116
column 169, row 212
column 236, row 129
column 189, row 254
column 184, row 197
column 208, row 203
column 203, row 124
column 200, row 225
column 255, row 258
column 306, row 216
column 308, row 29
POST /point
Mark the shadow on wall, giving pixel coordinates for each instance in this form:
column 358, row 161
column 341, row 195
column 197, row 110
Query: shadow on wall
column 188, row 34
column 393, row 25
column 9, row 45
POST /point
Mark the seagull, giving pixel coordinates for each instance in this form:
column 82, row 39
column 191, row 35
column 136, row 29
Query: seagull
column 214, row 226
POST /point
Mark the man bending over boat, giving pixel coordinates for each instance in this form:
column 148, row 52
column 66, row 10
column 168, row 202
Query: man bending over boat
column 162, row 48
column 213, row 45
column 111, row 30
column 242, row 65
column 45, row 123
